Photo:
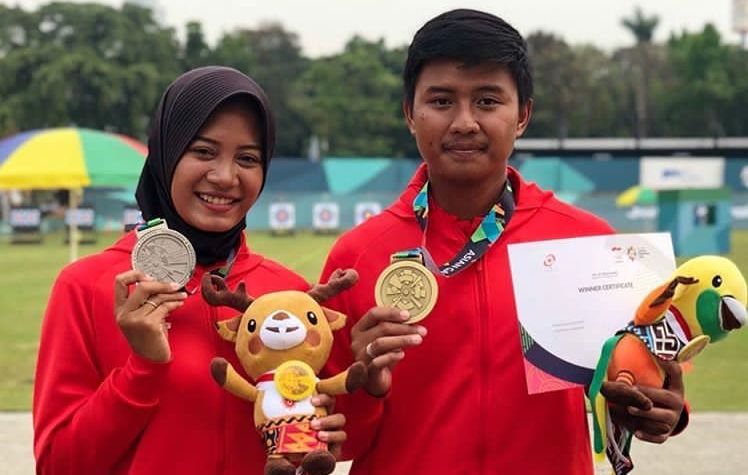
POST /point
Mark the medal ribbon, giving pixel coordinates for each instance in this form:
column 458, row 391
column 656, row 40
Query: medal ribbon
column 487, row 233
column 149, row 224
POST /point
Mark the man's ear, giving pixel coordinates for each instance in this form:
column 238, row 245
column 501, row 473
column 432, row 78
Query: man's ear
column 408, row 113
column 335, row 319
column 228, row 329
column 525, row 112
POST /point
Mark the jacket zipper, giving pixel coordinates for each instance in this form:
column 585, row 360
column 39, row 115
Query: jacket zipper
column 221, row 462
column 483, row 355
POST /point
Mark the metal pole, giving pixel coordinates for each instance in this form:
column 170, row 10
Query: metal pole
column 74, row 196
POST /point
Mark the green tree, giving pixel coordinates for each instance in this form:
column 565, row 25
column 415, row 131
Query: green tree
column 271, row 55
column 196, row 50
column 352, row 101
column 642, row 28
column 735, row 115
column 601, row 106
column 233, row 50
column 86, row 65
column 702, row 89
column 553, row 74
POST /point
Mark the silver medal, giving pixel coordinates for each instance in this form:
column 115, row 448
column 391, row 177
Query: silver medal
column 164, row 254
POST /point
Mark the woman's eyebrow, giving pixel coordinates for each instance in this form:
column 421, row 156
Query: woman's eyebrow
column 205, row 139
column 216, row 142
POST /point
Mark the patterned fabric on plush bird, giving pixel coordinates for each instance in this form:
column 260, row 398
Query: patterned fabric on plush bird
column 702, row 302
column 283, row 340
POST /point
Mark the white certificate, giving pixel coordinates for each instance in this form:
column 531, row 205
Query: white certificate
column 573, row 294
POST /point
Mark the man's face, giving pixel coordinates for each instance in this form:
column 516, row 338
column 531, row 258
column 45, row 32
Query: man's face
column 465, row 120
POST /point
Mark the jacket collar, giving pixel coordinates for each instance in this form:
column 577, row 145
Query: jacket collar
column 528, row 196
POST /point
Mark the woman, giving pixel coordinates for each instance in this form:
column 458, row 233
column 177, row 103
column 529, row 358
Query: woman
column 123, row 382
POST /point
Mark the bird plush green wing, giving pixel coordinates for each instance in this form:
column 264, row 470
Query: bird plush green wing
column 597, row 401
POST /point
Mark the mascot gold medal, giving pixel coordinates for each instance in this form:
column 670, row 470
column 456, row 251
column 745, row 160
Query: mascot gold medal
column 408, row 285
column 295, row 380
column 163, row 253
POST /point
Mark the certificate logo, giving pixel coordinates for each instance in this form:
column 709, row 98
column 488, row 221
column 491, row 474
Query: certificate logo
column 548, row 261
column 618, row 254
column 623, row 254
column 631, row 253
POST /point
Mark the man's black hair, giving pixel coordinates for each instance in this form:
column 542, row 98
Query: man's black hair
column 471, row 37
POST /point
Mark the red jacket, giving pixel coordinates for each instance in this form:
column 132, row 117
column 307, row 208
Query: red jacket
column 99, row 409
column 459, row 402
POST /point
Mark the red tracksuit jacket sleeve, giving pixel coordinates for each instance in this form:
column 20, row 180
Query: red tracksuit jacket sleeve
column 363, row 412
column 84, row 420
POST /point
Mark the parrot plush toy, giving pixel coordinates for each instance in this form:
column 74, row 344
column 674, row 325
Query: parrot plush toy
column 702, row 302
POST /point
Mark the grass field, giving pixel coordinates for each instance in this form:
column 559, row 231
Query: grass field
column 717, row 381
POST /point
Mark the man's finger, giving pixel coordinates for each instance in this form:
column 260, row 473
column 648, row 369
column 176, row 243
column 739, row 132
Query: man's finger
column 389, row 329
column 386, row 344
column 674, row 373
column 665, row 398
column 330, row 422
column 625, row 395
column 386, row 361
column 324, row 400
column 380, row 314
column 654, row 439
column 648, row 422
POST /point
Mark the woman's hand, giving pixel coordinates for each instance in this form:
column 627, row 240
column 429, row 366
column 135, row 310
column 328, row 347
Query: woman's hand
column 141, row 315
column 330, row 427
column 378, row 340
column 651, row 414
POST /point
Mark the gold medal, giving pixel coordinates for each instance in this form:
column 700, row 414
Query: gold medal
column 295, row 380
column 407, row 285
column 693, row 348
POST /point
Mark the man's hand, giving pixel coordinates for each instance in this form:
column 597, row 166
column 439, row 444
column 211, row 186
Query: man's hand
column 330, row 427
column 651, row 414
column 378, row 340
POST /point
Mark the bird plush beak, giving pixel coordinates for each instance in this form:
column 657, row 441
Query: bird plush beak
column 732, row 314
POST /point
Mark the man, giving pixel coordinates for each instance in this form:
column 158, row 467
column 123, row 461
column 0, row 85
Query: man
column 458, row 402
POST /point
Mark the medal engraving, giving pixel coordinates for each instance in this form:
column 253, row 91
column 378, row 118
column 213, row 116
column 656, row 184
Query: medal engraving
column 294, row 380
column 165, row 255
column 407, row 285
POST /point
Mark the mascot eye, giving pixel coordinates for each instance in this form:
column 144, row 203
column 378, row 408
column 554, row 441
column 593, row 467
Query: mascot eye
column 252, row 326
column 716, row 281
column 312, row 318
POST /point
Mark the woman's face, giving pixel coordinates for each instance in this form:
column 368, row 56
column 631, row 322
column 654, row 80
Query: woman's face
column 219, row 176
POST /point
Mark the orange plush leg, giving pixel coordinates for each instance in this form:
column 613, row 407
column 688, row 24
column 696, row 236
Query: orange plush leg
column 632, row 363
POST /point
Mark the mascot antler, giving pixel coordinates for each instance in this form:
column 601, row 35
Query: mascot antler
column 339, row 281
column 216, row 293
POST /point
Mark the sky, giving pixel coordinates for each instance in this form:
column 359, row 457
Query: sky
column 324, row 26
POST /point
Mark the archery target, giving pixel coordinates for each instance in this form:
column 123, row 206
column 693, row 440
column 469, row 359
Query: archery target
column 131, row 217
column 326, row 216
column 366, row 210
column 282, row 216
column 81, row 217
column 25, row 217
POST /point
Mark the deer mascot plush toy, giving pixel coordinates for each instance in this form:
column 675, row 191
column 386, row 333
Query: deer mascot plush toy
column 283, row 340
column 702, row 302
